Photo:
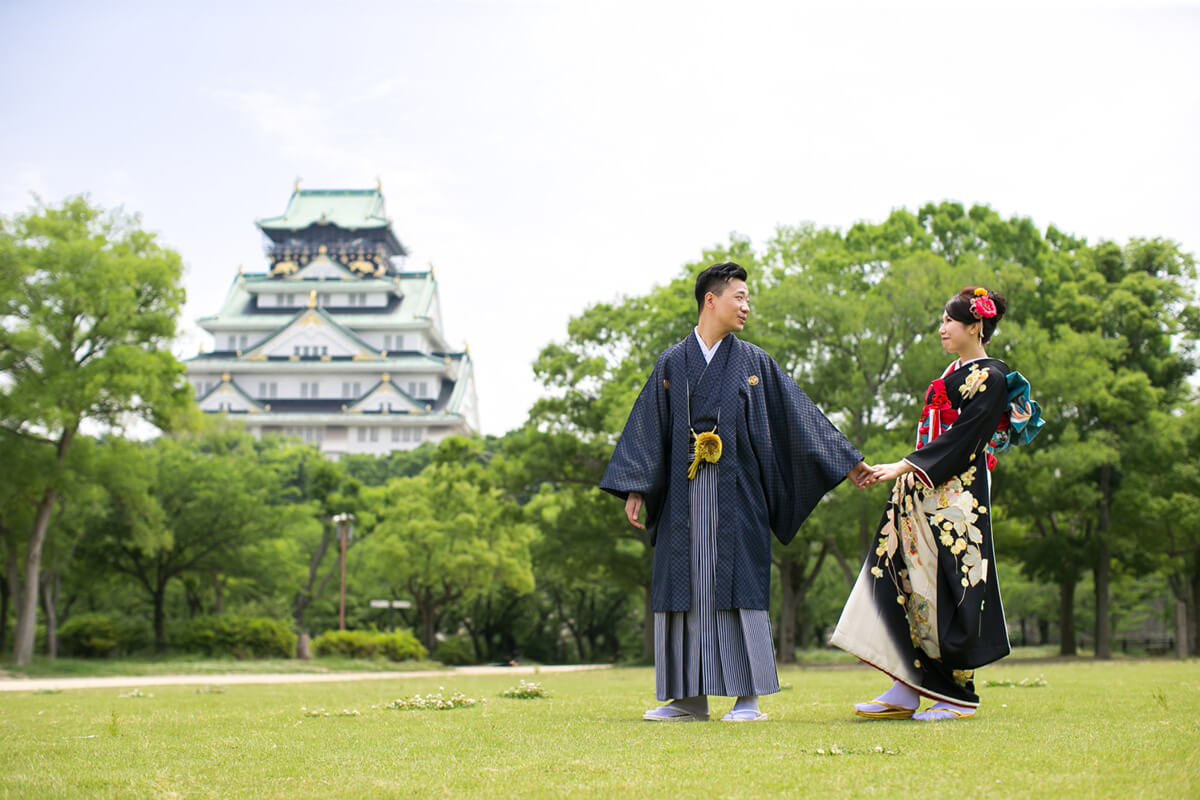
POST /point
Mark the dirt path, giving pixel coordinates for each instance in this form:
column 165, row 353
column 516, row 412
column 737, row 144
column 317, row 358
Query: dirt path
column 36, row 684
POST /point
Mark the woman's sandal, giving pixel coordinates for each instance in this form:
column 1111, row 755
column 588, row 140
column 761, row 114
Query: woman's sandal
column 931, row 714
column 887, row 711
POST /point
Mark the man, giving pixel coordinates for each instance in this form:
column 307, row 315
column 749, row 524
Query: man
column 721, row 448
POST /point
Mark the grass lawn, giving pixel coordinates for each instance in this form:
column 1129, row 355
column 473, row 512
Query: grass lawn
column 1123, row 729
column 201, row 665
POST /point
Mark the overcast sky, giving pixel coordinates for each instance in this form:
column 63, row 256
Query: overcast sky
column 547, row 156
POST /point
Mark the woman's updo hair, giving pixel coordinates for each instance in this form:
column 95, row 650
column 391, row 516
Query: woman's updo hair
column 960, row 308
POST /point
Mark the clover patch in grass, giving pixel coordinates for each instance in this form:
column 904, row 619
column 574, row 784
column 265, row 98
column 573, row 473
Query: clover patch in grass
column 525, row 690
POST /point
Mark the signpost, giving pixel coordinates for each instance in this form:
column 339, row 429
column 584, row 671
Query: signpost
column 345, row 523
column 391, row 606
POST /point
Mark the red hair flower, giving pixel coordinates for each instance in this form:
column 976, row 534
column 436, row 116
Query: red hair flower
column 983, row 308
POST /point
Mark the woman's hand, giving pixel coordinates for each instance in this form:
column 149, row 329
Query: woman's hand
column 889, row 472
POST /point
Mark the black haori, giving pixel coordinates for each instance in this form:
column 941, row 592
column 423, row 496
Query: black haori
column 780, row 455
column 926, row 606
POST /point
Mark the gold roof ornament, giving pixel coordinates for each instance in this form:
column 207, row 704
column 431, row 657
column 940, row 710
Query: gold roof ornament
column 312, row 298
column 296, row 185
column 378, row 184
column 386, row 377
column 224, row 377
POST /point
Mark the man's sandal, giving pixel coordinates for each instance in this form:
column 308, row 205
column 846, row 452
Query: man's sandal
column 886, row 711
column 670, row 714
column 744, row 715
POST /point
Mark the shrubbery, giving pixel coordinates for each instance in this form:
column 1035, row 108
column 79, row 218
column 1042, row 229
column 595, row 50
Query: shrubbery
column 395, row 646
column 455, row 651
column 99, row 634
column 241, row 637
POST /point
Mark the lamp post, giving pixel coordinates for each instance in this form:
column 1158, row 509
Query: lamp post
column 345, row 522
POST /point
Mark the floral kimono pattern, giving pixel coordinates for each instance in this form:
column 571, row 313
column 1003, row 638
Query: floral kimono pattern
column 926, row 607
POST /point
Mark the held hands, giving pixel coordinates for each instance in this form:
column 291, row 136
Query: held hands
column 633, row 509
column 863, row 475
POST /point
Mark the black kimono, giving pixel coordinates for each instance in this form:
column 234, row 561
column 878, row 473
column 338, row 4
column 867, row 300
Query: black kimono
column 926, row 607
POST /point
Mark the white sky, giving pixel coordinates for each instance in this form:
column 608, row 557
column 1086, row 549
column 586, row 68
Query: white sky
column 546, row 156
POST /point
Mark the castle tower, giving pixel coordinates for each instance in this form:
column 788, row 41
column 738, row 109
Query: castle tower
column 337, row 343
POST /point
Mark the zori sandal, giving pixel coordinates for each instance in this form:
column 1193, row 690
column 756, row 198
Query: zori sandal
column 885, row 710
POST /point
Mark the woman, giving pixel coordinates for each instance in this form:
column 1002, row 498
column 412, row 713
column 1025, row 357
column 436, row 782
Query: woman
column 926, row 608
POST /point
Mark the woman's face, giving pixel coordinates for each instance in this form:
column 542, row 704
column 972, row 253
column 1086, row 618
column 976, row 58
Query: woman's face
column 958, row 337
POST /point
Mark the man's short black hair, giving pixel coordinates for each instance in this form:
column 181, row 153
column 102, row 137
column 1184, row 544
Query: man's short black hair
column 715, row 279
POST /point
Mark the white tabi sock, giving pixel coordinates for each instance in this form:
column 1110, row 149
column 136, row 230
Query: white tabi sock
column 746, row 703
column 900, row 695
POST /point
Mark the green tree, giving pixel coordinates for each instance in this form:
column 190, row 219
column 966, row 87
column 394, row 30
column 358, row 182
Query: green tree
column 446, row 534
column 195, row 504
column 89, row 302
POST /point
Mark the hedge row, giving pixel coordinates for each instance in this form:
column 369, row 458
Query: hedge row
column 396, row 646
column 102, row 635
column 98, row 635
column 241, row 637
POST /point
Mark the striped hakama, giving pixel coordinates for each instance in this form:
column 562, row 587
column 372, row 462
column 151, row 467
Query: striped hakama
column 706, row 650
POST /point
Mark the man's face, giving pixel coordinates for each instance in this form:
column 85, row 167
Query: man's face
column 732, row 306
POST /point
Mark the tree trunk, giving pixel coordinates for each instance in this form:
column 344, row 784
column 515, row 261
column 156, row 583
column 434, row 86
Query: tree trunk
column 1103, row 567
column 160, row 618
column 50, row 604
column 11, row 580
column 305, row 595
column 1181, row 629
column 1103, row 624
column 218, row 594
column 1193, row 615
column 787, row 610
column 428, row 623
column 28, row 603
column 1066, row 616
column 3, row 613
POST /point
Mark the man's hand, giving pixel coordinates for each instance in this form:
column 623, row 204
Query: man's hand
column 861, row 475
column 633, row 509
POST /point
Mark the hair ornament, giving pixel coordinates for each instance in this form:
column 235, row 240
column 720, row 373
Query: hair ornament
column 981, row 292
column 982, row 306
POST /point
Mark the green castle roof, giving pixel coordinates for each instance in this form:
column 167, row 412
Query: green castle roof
column 350, row 209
